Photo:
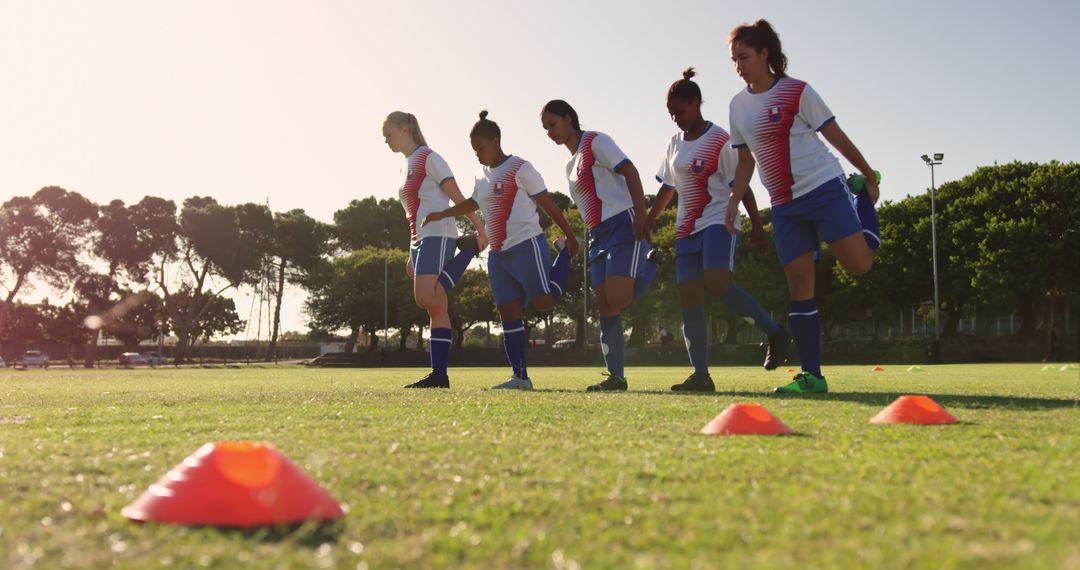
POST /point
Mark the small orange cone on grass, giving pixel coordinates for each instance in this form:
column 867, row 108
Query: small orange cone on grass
column 877, row 369
column 791, row 371
column 235, row 484
column 913, row 410
column 745, row 419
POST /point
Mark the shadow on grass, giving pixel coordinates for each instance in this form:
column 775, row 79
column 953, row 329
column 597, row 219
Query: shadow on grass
column 307, row 534
column 881, row 399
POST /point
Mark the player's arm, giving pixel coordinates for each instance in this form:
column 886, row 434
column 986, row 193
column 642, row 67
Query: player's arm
column 757, row 230
column 463, row 208
column 451, row 188
column 840, row 141
column 744, row 170
column 663, row 198
column 642, row 229
column 552, row 210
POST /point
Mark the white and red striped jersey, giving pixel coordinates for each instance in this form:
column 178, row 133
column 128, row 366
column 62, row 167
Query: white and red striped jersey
column 701, row 171
column 421, row 193
column 506, row 198
column 597, row 189
column 780, row 127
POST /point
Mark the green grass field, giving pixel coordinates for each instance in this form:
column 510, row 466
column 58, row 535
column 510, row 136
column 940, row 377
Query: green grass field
column 555, row 478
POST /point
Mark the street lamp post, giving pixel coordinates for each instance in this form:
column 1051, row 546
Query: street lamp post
column 932, row 162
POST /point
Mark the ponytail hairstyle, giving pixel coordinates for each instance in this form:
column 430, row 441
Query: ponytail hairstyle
column 562, row 109
column 485, row 128
column 685, row 89
column 759, row 36
column 407, row 120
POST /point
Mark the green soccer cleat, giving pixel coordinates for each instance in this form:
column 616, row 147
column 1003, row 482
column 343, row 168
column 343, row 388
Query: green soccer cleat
column 805, row 383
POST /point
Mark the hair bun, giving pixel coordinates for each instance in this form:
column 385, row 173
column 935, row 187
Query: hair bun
column 483, row 114
column 689, row 73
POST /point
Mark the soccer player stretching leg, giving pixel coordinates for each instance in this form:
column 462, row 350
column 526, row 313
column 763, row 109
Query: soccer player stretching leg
column 508, row 189
column 700, row 166
column 607, row 190
column 428, row 186
column 774, row 123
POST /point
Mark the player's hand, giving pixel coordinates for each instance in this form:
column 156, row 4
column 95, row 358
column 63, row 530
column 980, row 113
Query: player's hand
column 642, row 227
column 732, row 215
column 409, row 268
column 571, row 245
column 759, row 239
column 481, row 240
column 432, row 217
column 872, row 189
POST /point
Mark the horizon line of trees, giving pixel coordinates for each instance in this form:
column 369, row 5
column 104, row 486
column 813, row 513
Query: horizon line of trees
column 1008, row 239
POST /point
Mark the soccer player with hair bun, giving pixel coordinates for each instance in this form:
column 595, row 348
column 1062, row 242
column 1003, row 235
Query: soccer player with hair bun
column 775, row 123
column 507, row 191
column 700, row 166
column 428, row 185
column 607, row 189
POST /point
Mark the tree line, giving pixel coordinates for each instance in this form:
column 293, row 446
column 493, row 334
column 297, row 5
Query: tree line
column 1008, row 239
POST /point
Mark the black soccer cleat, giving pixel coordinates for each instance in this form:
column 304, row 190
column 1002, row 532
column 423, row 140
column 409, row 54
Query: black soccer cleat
column 776, row 351
column 610, row 384
column 696, row 382
column 432, row 380
column 468, row 243
column 655, row 257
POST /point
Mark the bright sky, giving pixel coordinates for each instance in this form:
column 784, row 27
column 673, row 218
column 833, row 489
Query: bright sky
column 283, row 101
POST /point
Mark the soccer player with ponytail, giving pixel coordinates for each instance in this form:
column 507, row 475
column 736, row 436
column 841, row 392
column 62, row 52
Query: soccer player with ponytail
column 700, row 166
column 775, row 123
column 507, row 192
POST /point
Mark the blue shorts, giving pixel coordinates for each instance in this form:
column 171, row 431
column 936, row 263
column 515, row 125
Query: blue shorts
column 826, row 214
column 613, row 250
column 521, row 272
column 711, row 248
column 431, row 254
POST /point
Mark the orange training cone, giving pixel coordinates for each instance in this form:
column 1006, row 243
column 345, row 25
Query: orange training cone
column 791, row 370
column 234, row 484
column 745, row 419
column 913, row 410
column 877, row 369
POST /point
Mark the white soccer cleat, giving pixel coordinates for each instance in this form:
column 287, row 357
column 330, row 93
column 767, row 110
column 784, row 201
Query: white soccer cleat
column 515, row 383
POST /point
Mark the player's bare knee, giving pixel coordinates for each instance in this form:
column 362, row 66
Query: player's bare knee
column 859, row 265
column 543, row 303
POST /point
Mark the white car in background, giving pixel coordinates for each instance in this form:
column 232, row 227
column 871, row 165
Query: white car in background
column 35, row 358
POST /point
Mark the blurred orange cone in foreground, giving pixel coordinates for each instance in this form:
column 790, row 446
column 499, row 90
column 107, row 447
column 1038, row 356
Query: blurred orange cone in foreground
column 913, row 410
column 877, row 369
column 234, row 484
column 745, row 419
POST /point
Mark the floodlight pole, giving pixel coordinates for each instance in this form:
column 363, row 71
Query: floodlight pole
column 932, row 162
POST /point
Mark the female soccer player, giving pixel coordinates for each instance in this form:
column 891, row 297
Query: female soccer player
column 700, row 166
column 429, row 186
column 507, row 192
column 775, row 122
column 607, row 190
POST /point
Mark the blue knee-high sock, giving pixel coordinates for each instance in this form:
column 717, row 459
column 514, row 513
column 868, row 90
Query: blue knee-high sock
column 455, row 268
column 440, row 349
column 560, row 273
column 644, row 279
column 868, row 218
column 697, row 339
column 612, row 343
column 514, row 345
column 740, row 302
column 805, row 324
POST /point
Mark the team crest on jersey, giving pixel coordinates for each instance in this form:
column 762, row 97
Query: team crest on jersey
column 774, row 114
column 697, row 166
column 499, row 188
